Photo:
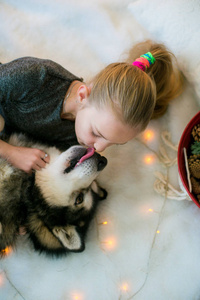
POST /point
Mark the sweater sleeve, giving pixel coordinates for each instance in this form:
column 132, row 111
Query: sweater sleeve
column 26, row 84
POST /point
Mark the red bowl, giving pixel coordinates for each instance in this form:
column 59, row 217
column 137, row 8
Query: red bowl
column 185, row 141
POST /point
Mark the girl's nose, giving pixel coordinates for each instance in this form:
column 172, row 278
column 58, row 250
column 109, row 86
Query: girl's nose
column 101, row 146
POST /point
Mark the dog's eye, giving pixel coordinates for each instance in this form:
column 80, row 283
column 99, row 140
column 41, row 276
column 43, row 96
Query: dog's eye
column 79, row 199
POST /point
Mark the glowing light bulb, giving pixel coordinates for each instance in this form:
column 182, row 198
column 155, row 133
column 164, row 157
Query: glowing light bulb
column 77, row 296
column 148, row 159
column 148, row 135
column 158, row 231
column 124, row 287
column 110, row 243
column 103, row 223
column 6, row 251
column 154, row 211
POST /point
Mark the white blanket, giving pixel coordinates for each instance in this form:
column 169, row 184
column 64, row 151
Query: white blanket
column 149, row 249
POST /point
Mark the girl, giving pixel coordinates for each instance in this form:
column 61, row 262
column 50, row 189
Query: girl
column 43, row 100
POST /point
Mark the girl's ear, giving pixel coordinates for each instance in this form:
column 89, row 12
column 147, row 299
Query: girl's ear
column 83, row 93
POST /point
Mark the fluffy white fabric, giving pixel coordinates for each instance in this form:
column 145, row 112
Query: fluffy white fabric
column 139, row 254
column 176, row 23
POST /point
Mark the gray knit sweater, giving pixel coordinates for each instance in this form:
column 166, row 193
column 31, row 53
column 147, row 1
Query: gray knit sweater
column 32, row 91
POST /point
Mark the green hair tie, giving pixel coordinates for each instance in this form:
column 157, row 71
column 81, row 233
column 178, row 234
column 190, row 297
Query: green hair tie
column 149, row 57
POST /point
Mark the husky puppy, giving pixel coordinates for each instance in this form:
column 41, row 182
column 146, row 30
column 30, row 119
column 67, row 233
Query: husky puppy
column 55, row 204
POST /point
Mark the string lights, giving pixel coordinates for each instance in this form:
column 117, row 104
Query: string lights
column 111, row 242
column 148, row 136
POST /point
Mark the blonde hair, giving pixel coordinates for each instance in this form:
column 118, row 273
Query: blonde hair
column 134, row 95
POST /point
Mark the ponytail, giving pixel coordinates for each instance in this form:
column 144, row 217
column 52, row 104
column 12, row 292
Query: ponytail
column 165, row 73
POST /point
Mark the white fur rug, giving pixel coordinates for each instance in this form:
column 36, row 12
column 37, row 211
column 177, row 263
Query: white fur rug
column 149, row 249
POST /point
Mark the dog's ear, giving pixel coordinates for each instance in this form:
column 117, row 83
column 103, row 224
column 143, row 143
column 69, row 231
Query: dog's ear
column 102, row 193
column 69, row 238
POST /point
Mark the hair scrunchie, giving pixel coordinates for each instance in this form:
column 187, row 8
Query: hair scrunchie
column 144, row 61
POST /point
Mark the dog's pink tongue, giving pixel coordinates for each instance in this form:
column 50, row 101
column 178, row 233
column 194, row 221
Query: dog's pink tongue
column 90, row 152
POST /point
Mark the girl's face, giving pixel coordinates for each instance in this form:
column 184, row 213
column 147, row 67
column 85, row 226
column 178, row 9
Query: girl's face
column 101, row 128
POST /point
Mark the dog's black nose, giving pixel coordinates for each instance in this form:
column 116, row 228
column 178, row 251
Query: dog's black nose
column 102, row 162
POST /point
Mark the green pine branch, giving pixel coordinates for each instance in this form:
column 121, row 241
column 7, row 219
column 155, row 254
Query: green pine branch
column 195, row 148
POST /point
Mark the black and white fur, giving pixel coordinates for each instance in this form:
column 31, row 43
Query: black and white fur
column 55, row 205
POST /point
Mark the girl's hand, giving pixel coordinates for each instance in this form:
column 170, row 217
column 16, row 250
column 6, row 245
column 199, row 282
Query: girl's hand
column 27, row 159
